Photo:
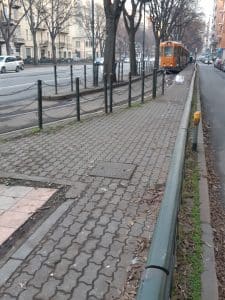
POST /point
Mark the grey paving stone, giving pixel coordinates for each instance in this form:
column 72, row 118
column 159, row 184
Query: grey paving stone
column 48, row 290
column 105, row 216
column 69, row 281
column 81, row 292
column 28, row 293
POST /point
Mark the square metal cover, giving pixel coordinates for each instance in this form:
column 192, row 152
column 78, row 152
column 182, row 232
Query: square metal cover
column 113, row 170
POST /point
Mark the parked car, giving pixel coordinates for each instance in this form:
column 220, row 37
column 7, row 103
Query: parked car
column 99, row 60
column 29, row 60
column 218, row 63
column 9, row 63
column 21, row 62
column 126, row 60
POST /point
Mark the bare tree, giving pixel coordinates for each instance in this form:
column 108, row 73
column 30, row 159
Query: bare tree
column 35, row 17
column 112, row 13
column 122, row 42
column 164, row 14
column 57, row 14
column 10, row 18
column 85, row 22
column 132, row 19
column 192, row 34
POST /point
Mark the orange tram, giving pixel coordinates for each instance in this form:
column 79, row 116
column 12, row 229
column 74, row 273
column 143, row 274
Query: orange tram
column 173, row 56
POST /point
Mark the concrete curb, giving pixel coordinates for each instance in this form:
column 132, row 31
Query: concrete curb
column 208, row 278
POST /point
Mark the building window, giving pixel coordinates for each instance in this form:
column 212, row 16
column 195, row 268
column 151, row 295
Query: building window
column 77, row 44
column 28, row 52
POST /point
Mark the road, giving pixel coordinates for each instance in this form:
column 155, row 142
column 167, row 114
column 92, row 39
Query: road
column 24, row 114
column 212, row 96
column 23, row 85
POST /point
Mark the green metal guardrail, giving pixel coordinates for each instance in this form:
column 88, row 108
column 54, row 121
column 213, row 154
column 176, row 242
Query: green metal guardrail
column 156, row 281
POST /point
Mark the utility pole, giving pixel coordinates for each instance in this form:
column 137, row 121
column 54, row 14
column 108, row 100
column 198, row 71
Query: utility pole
column 143, row 43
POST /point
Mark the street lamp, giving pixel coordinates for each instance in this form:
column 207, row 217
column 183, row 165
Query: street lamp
column 93, row 38
column 143, row 40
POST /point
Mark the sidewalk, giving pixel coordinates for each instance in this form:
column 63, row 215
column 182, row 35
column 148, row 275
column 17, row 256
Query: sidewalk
column 116, row 167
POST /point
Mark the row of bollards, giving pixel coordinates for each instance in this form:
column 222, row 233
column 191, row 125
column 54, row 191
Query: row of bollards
column 108, row 92
column 120, row 74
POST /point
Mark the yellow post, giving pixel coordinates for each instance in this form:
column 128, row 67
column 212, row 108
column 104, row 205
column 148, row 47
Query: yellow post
column 196, row 120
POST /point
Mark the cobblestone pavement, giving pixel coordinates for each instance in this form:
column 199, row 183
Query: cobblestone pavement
column 86, row 253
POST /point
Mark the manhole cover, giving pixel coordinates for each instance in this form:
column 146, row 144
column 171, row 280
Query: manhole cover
column 113, row 170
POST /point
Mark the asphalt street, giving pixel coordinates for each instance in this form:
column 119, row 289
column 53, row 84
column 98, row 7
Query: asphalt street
column 212, row 97
column 16, row 87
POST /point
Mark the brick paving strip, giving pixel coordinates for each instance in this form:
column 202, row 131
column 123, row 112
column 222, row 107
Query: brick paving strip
column 92, row 241
column 17, row 205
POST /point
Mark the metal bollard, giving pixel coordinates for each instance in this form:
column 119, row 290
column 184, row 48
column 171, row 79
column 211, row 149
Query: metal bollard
column 163, row 82
column 85, row 76
column 55, row 77
column 196, row 119
column 105, row 93
column 71, row 77
column 118, row 72
column 111, row 93
column 78, row 98
column 122, row 71
column 129, row 90
column 96, row 74
column 142, row 86
column 154, row 84
column 40, row 121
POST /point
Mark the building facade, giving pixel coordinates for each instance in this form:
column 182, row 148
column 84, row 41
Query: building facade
column 218, row 29
column 71, row 42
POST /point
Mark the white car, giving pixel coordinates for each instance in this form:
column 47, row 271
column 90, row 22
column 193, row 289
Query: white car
column 9, row 63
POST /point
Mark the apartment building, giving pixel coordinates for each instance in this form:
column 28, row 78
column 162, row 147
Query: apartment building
column 71, row 42
column 218, row 28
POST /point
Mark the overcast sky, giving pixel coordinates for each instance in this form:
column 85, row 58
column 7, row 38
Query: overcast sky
column 207, row 7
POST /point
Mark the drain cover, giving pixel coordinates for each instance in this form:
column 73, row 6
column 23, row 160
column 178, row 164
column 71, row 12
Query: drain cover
column 113, row 170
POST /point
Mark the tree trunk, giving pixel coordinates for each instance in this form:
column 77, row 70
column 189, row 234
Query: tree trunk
column 109, row 51
column 133, row 63
column 157, row 51
column 54, row 52
column 8, row 47
column 35, row 47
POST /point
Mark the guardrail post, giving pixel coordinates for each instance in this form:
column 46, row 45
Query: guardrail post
column 163, row 81
column 40, row 121
column 111, row 93
column 71, row 77
column 85, row 76
column 78, row 98
column 142, row 85
column 154, row 84
column 105, row 92
column 129, row 90
column 55, row 78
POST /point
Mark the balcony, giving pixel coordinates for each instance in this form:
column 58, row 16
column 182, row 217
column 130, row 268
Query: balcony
column 2, row 41
column 44, row 44
column 64, row 31
column 61, row 45
column 16, row 5
column 42, row 27
column 19, row 41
